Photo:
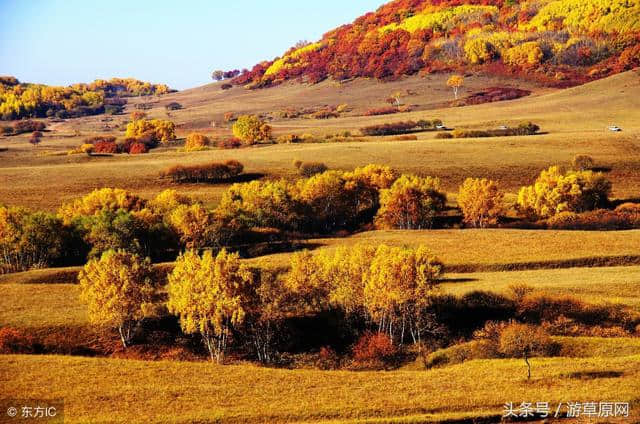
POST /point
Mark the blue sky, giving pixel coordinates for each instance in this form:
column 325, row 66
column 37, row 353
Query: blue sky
column 60, row 42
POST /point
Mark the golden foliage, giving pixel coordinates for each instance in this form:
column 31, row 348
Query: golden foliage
column 555, row 192
column 411, row 203
column 159, row 129
column 111, row 199
column 481, row 202
column 118, row 290
column 210, row 294
column 251, row 129
column 196, row 141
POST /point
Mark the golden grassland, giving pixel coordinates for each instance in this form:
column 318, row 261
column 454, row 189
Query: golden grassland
column 575, row 120
column 591, row 285
column 497, row 249
column 46, row 302
column 101, row 390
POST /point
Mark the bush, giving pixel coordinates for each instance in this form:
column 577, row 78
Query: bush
column 229, row 143
column 411, row 203
column 582, row 163
column 13, row 341
column 105, row 147
column 309, row 169
column 389, row 129
column 173, row 106
column 597, row 220
column 555, row 191
column 196, row 141
column 138, row 148
column 251, row 129
column 155, row 129
column 28, row 125
column 212, row 172
column 137, row 114
column 374, row 349
column 325, row 114
column 226, row 86
column 381, row 111
column 444, row 135
column 288, row 139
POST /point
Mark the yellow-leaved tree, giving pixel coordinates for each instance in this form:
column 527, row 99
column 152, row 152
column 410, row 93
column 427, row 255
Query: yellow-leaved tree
column 411, row 203
column 119, row 290
column 397, row 285
column 455, row 82
column 194, row 224
column 210, row 294
column 195, row 142
column 251, row 129
column 105, row 199
column 481, row 202
column 556, row 191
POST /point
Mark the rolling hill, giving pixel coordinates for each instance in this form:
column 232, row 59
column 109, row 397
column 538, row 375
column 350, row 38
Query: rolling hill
column 557, row 42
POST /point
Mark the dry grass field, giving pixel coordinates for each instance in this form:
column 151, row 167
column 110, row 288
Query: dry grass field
column 498, row 249
column 575, row 120
column 596, row 267
column 137, row 392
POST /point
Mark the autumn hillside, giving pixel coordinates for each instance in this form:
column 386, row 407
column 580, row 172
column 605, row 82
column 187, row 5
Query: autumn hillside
column 558, row 42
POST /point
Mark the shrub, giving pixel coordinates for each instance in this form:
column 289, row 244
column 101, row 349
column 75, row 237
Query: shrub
column 212, row 172
column 481, row 202
column 251, row 129
column 226, row 86
column 229, row 143
column 173, row 106
column 411, row 203
column 555, row 191
column 105, row 147
column 196, row 141
column 374, row 349
column 381, row 111
column 582, row 163
column 444, row 135
column 229, row 117
column 138, row 148
column 288, row 139
column 325, row 114
column 389, row 129
column 118, row 290
column 597, row 220
column 13, row 341
column 36, row 138
column 157, row 129
column 309, row 169
column 137, row 114
column 28, row 125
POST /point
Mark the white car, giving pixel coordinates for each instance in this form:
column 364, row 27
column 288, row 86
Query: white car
column 614, row 128
column 503, row 127
column 441, row 127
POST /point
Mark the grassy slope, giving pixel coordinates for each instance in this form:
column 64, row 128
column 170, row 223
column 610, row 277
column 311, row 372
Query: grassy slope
column 593, row 285
column 575, row 119
column 502, row 249
column 186, row 392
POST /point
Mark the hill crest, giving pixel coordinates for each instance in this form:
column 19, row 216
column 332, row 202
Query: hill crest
column 557, row 42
